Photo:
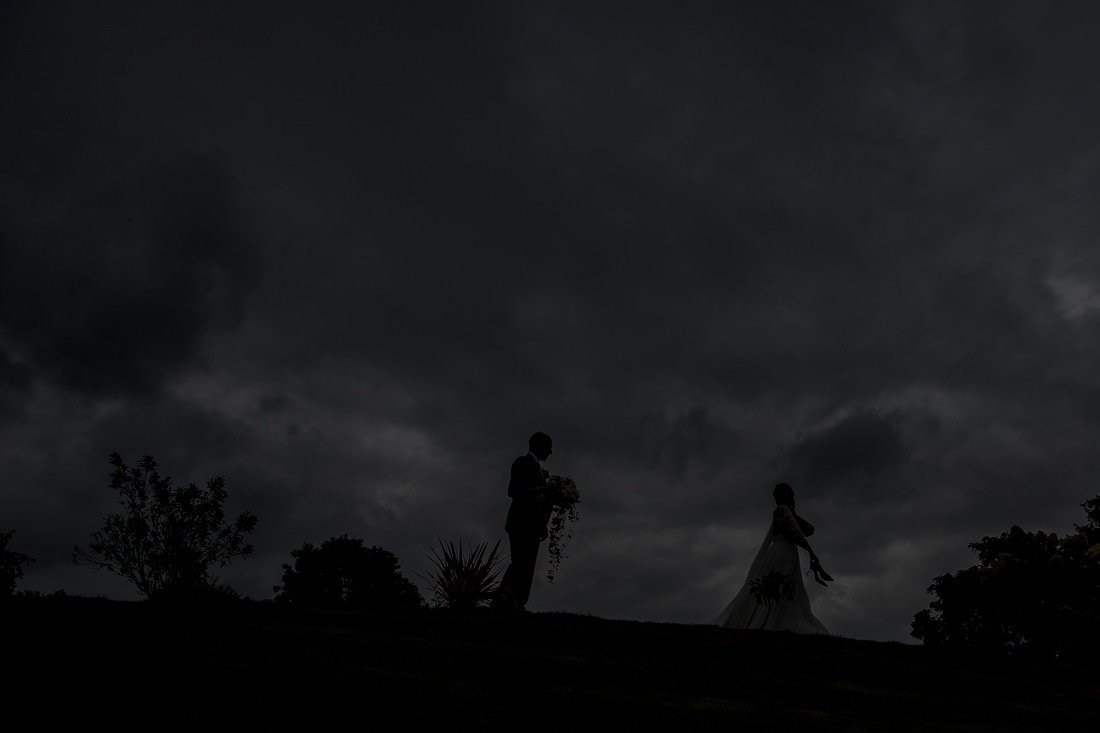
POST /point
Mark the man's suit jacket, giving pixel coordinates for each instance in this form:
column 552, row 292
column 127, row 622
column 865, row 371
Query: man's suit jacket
column 530, row 512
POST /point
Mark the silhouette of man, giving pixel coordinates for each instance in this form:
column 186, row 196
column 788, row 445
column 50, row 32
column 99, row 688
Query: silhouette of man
column 526, row 525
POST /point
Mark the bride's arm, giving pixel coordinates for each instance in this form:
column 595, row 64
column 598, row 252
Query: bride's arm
column 790, row 527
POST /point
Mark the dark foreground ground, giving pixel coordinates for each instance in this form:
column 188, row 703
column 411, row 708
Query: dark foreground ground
column 86, row 664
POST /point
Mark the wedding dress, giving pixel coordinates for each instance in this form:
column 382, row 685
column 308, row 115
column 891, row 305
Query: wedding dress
column 774, row 596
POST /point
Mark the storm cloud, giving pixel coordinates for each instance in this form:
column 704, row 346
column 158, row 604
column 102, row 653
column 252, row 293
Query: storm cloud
column 350, row 256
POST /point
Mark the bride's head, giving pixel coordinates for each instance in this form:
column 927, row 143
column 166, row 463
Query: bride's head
column 783, row 494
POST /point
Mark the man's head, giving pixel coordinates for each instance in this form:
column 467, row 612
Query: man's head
column 541, row 445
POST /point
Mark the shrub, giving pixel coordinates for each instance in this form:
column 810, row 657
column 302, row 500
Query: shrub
column 167, row 538
column 464, row 580
column 344, row 573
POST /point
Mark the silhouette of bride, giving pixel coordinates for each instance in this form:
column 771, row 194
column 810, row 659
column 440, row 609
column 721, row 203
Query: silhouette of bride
column 773, row 596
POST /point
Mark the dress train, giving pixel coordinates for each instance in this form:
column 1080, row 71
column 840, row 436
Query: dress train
column 774, row 596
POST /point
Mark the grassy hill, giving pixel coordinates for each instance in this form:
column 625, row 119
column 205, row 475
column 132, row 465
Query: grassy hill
column 255, row 667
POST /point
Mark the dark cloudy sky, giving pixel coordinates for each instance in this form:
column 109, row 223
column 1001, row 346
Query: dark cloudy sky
column 349, row 256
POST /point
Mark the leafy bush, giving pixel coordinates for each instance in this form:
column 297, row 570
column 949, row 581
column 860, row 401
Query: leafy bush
column 344, row 573
column 168, row 538
column 1032, row 593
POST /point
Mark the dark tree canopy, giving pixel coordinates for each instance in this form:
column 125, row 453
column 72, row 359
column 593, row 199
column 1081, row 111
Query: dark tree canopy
column 1091, row 528
column 11, row 565
column 344, row 573
column 1031, row 593
column 167, row 538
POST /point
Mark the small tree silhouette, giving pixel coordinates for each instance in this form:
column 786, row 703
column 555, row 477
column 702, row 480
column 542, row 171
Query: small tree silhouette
column 11, row 565
column 344, row 573
column 167, row 538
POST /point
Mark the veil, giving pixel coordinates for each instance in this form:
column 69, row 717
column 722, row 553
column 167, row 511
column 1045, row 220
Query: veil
column 758, row 561
column 754, row 571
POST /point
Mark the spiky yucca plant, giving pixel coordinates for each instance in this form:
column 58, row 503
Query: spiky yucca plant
column 464, row 580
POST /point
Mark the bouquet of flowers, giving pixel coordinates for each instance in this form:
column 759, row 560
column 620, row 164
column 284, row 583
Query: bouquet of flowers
column 563, row 496
column 769, row 590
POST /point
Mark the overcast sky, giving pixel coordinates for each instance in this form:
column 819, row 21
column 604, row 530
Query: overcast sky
column 350, row 256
